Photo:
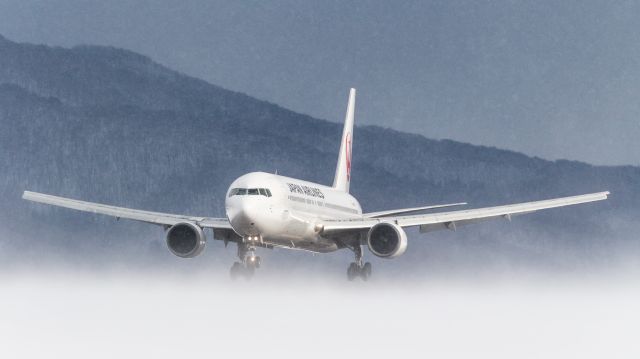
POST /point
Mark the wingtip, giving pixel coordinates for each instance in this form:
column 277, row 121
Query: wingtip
column 29, row 196
column 601, row 195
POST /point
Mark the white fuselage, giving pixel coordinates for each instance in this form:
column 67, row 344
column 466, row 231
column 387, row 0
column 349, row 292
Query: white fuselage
column 283, row 211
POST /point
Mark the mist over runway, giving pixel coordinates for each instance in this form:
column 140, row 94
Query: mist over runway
column 145, row 315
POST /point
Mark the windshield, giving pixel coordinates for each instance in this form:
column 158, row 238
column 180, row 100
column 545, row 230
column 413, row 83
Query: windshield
column 250, row 191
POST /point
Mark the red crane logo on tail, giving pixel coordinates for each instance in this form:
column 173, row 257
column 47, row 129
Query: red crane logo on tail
column 347, row 142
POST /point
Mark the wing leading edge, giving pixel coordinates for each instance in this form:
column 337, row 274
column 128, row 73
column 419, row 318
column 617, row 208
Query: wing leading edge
column 409, row 210
column 451, row 220
column 158, row 218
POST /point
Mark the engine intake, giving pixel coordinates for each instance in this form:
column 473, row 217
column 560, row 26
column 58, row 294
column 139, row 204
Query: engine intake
column 387, row 240
column 186, row 239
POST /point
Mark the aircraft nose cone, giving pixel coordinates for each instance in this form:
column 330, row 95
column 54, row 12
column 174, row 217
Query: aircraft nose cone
column 243, row 218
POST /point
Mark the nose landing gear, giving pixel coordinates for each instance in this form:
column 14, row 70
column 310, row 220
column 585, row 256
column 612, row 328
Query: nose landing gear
column 250, row 262
column 359, row 268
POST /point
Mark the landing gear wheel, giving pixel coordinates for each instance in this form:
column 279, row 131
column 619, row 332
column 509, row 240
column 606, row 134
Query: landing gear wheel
column 240, row 270
column 352, row 271
column 358, row 268
column 236, row 270
column 366, row 271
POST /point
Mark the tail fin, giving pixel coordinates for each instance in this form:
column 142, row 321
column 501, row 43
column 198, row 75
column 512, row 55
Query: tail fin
column 343, row 169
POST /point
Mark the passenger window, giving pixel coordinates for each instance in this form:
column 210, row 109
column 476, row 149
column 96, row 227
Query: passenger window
column 253, row 191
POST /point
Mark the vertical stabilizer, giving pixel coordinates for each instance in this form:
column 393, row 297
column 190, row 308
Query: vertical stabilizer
column 343, row 169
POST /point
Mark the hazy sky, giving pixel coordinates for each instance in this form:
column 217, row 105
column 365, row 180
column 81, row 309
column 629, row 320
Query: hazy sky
column 556, row 79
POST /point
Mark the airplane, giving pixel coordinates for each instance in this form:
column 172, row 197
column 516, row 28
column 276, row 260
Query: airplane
column 265, row 210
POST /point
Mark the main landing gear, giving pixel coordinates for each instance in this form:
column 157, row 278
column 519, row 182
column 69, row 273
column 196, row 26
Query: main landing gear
column 359, row 268
column 250, row 262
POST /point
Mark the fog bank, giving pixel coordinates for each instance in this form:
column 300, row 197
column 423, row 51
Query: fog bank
column 106, row 316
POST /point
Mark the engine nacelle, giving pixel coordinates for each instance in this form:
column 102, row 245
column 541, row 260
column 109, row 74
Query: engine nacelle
column 387, row 240
column 186, row 239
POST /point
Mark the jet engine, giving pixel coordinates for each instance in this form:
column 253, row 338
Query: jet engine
column 387, row 240
column 186, row 239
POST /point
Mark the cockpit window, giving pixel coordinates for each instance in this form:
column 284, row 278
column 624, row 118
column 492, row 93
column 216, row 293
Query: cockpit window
column 250, row 191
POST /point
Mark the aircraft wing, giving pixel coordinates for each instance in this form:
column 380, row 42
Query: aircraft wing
column 451, row 220
column 165, row 219
column 409, row 210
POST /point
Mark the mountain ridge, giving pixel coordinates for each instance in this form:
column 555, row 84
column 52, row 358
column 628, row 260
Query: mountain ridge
column 117, row 53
